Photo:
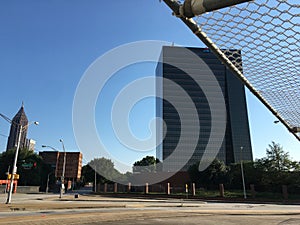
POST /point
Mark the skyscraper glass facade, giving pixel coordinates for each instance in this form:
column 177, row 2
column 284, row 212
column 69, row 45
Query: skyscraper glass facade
column 237, row 133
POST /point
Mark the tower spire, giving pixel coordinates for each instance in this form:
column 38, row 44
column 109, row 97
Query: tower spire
column 19, row 119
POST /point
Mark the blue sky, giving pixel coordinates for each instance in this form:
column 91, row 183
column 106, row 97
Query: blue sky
column 46, row 46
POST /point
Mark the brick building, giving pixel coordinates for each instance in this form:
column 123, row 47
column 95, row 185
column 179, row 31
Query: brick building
column 73, row 163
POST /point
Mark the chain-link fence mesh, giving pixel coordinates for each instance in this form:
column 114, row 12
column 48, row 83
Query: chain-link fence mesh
column 267, row 32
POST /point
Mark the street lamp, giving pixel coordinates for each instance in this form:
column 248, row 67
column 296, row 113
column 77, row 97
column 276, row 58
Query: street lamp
column 47, row 188
column 14, row 169
column 62, row 188
column 294, row 130
column 54, row 149
column 242, row 171
column 47, row 146
column 2, row 135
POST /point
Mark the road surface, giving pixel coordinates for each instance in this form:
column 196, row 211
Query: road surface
column 49, row 209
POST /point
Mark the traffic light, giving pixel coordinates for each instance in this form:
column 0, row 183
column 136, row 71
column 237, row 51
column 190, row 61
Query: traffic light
column 16, row 176
column 34, row 165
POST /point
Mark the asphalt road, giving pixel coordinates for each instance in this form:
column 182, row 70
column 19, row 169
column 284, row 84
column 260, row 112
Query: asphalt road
column 48, row 209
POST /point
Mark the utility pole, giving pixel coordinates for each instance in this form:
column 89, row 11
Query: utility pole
column 62, row 188
column 242, row 171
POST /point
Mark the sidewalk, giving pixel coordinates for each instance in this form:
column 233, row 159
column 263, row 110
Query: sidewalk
column 40, row 202
column 87, row 202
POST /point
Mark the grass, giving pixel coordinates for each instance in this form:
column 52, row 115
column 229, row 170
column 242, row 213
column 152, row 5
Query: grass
column 239, row 194
column 228, row 194
column 216, row 193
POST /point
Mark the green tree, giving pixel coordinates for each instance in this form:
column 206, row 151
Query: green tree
column 267, row 174
column 215, row 174
column 277, row 169
column 87, row 174
column 147, row 164
column 278, row 160
column 253, row 174
column 34, row 176
column 106, row 171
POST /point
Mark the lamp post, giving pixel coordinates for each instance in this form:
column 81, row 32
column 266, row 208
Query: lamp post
column 62, row 188
column 95, row 182
column 14, row 168
column 242, row 171
column 62, row 179
column 294, row 130
column 6, row 185
column 54, row 149
column 2, row 135
column 47, row 188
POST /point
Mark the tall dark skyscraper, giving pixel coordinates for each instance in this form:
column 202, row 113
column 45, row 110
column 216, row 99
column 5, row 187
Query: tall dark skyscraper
column 236, row 129
column 19, row 119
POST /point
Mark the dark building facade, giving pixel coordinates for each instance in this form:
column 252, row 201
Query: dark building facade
column 19, row 119
column 237, row 132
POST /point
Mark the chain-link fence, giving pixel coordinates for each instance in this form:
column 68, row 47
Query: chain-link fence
column 267, row 32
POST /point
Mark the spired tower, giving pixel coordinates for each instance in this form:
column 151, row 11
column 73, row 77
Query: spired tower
column 19, row 119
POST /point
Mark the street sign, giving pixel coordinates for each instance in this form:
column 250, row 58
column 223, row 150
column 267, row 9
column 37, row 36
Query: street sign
column 27, row 165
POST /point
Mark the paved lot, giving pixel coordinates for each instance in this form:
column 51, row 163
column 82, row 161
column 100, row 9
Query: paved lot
column 49, row 209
